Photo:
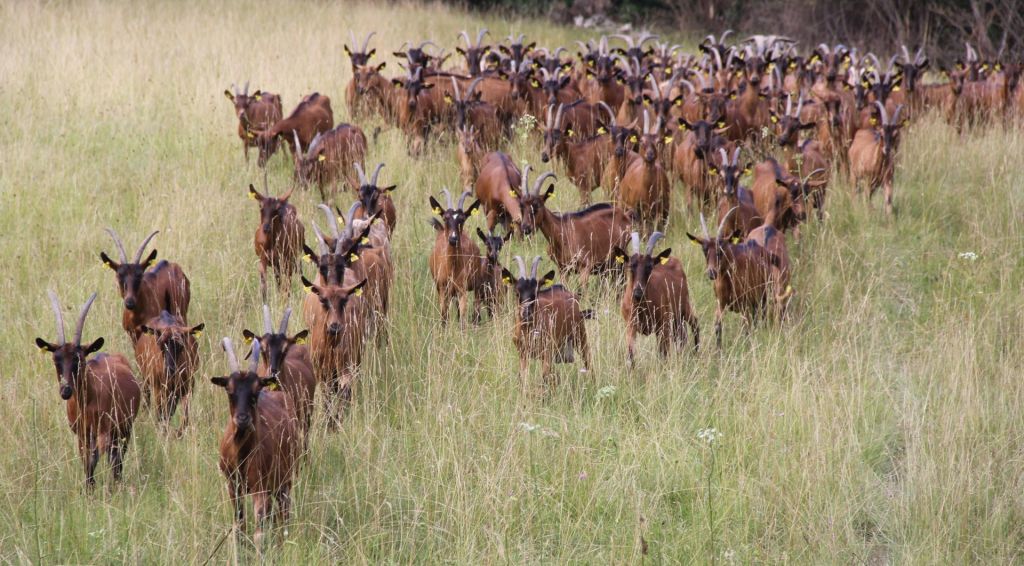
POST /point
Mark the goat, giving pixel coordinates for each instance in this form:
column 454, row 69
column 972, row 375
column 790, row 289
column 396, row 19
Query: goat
column 168, row 355
column 286, row 358
column 873, row 155
column 101, row 393
column 736, row 203
column 454, row 260
column 583, row 158
column 470, row 110
column 495, row 188
column 602, row 76
column 145, row 291
column 312, row 116
column 261, row 111
column 549, row 321
column 741, row 275
column 259, row 449
column 278, row 239
column 474, row 53
column 693, row 157
column 417, row 109
column 330, row 157
column 368, row 89
column 579, row 242
column 374, row 199
column 806, row 158
column 656, row 299
column 645, row 187
column 486, row 284
column 779, row 195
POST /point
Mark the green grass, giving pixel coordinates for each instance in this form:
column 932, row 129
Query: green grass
column 882, row 423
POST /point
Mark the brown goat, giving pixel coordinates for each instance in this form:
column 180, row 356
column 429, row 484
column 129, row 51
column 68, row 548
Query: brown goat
column 375, row 200
column 312, row 116
column 168, row 355
column 260, row 111
column 736, row 203
column 583, row 158
column 656, row 299
column 368, row 89
column 469, row 110
column 741, row 274
column 578, row 242
column 260, row 446
column 549, row 322
column 873, row 155
column 486, row 284
column 495, row 188
column 278, row 239
column 287, row 359
column 331, row 157
column 645, row 187
column 693, row 157
column 101, row 393
column 455, row 259
column 417, row 109
column 146, row 291
column 779, row 195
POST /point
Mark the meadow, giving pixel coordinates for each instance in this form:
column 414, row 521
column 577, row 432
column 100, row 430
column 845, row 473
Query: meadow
column 880, row 423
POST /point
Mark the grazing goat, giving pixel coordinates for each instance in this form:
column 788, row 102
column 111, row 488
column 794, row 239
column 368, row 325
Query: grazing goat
column 656, row 299
column 259, row 449
column 549, row 322
column 330, row 157
column 286, row 358
column 168, row 355
column 312, row 116
column 101, row 393
column 578, row 242
column 146, row 292
column 873, row 155
column 495, row 188
column 741, row 275
column 455, row 259
column 645, row 187
column 279, row 237
column 260, row 111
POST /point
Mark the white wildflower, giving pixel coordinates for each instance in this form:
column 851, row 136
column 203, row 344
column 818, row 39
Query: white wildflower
column 709, row 436
column 528, row 427
column 969, row 256
column 605, row 392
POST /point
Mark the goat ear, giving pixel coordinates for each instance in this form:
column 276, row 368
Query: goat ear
column 565, row 80
column 601, row 128
column 94, row 347
column 507, row 277
column 258, row 95
column 300, row 337
column 550, row 192
column 254, row 194
column 248, row 335
column 428, row 86
column 398, row 82
column 774, row 117
column 310, row 287
column 548, row 278
column 507, row 236
column 618, row 255
column 270, row 383
column 683, row 124
column 736, row 237
column 436, row 206
column 381, row 66
column 389, row 188
column 807, row 126
column 664, row 255
column 746, row 168
column 219, row 381
column 45, row 346
column 473, row 208
column 697, row 241
column 108, row 262
column 647, row 100
column 228, row 95
column 436, row 224
column 147, row 330
column 197, row 330
column 357, row 289
column 460, row 51
column 308, row 254
column 150, row 259
column 480, row 234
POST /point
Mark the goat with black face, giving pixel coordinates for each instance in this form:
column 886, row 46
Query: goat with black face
column 287, row 359
column 455, row 259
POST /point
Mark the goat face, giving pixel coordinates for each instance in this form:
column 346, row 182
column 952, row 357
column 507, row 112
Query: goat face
column 714, row 252
column 243, row 389
column 452, row 220
column 493, row 244
column 272, row 210
column 363, row 75
column 333, row 300
column 730, row 175
column 704, row 133
column 129, row 277
column 641, row 266
column 526, row 289
column 274, row 347
column 370, row 197
column 531, row 204
column 175, row 343
column 69, row 360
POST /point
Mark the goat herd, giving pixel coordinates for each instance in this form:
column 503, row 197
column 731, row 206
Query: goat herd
column 631, row 119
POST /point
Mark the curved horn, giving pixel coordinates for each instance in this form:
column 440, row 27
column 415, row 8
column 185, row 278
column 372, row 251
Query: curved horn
column 918, row 55
column 455, row 87
column 608, row 109
column 366, row 41
column 361, row 174
column 634, row 241
column 704, row 227
column 298, row 145
column 142, row 248
column 725, row 34
column 465, row 35
column 522, row 266
column 881, row 110
column 724, row 218
column 117, row 242
column 332, row 221
column 321, row 244
column 799, row 105
column 524, row 184
column 245, row 91
column 811, row 174
column 376, row 173
column 789, row 105
column 653, row 241
column 647, row 122
column 254, row 361
column 462, row 198
column 59, row 315
column 533, row 268
column 906, row 53
column 447, row 198
column 896, row 115
column 685, row 83
column 80, row 325
column 735, row 157
column 229, row 351
column 284, row 321
column 558, row 115
column 349, row 224
column 657, row 87
column 547, row 122
column 540, row 181
column 426, row 43
column 313, row 145
column 725, row 156
column 629, row 40
column 268, row 326
column 480, row 37
column 472, row 86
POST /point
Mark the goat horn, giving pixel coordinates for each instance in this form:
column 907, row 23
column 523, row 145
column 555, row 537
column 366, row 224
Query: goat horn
column 736, row 157
column 558, row 115
column 917, row 56
column 547, row 122
column 881, row 110
column 472, row 86
column 349, row 225
column 229, row 351
column 268, row 326
column 426, row 43
column 687, row 83
column 462, row 198
column 332, row 221
column 653, row 241
column 704, row 227
column 634, row 240
column 724, row 218
column 362, row 174
column 376, row 173
column 117, row 242
column 647, row 122
column 142, row 248
column 906, row 53
column 234, row 88
column 545, row 73
column 657, row 87
column 480, row 37
column 284, row 321
column 626, row 38
column 254, row 361
column 455, row 87
column 811, row 174
column 366, row 41
column 298, row 145
column 80, row 325
column 321, row 244
column 465, row 35
column 896, row 115
column 725, row 156
column 59, row 315
column 524, row 183
column 533, row 268
column 789, row 104
column 725, row 34
column 245, row 91
column 522, row 266
column 540, row 181
column 447, row 198
column 799, row 105
column 611, row 115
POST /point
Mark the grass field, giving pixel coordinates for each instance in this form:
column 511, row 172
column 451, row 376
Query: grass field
column 881, row 423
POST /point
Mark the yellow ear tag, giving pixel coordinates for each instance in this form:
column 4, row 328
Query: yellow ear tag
column 300, row 341
column 259, row 97
column 713, row 170
column 632, row 139
column 307, row 258
column 248, row 339
column 250, row 135
column 896, row 88
column 548, row 281
column 619, row 259
column 664, row 260
column 746, row 171
column 732, row 97
column 352, row 258
column 506, row 280
column 197, row 333
column 535, row 84
column 359, row 292
column 679, row 102
column 475, row 212
column 668, row 139
column 512, row 192
column 602, row 131
column 721, row 125
column 735, row 240
column 775, row 119
column 438, row 211
column 447, row 99
column 695, row 242
column 569, row 132
column 309, row 289
column 321, row 158
column 253, row 196
column 792, row 65
column 873, row 121
column 274, row 386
